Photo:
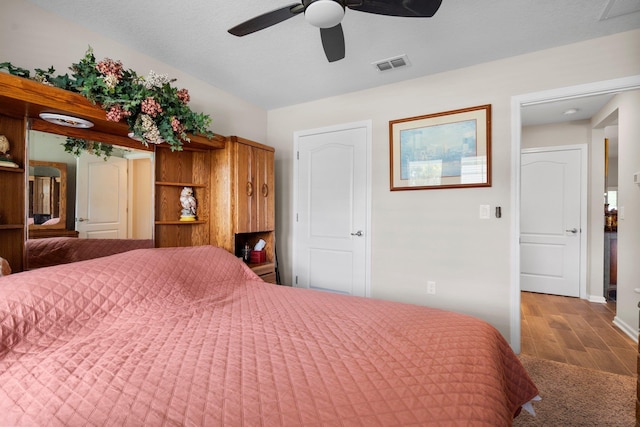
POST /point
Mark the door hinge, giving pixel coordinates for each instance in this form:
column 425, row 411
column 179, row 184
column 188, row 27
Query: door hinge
column 296, row 217
column 298, row 155
column 296, row 280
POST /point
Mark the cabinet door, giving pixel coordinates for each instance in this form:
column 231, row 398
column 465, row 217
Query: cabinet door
column 246, row 208
column 255, row 189
column 265, row 196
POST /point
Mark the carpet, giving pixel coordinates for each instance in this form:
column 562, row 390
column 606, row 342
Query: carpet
column 575, row 396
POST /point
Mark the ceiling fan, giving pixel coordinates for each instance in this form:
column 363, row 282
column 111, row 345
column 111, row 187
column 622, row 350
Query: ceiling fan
column 327, row 14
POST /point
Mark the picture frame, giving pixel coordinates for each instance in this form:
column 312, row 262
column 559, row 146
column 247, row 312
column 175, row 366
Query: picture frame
column 450, row 149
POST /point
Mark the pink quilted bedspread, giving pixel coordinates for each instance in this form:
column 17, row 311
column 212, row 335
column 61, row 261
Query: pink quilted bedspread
column 191, row 337
column 63, row 250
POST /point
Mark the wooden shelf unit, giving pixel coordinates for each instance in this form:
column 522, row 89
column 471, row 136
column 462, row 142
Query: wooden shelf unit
column 242, row 179
column 23, row 98
column 174, row 171
column 12, row 194
column 21, row 102
column 217, row 168
column 7, row 169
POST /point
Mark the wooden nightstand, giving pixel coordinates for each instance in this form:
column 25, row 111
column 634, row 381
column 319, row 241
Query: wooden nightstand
column 266, row 271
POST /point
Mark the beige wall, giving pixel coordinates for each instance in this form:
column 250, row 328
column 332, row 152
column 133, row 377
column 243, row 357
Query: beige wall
column 31, row 38
column 436, row 234
column 570, row 133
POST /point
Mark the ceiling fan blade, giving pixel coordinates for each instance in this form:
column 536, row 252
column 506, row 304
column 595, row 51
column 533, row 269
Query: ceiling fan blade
column 266, row 20
column 333, row 42
column 406, row 8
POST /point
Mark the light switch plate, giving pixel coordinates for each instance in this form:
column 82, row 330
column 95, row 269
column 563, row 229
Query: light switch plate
column 485, row 211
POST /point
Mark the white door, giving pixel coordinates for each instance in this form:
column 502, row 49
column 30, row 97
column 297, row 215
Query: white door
column 101, row 210
column 551, row 218
column 331, row 231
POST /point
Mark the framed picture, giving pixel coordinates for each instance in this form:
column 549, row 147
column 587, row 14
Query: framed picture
column 442, row 150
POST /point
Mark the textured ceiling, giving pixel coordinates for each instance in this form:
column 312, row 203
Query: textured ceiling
column 285, row 64
column 582, row 108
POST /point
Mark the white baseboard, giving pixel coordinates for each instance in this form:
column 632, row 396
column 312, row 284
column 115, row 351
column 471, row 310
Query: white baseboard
column 627, row 329
column 597, row 298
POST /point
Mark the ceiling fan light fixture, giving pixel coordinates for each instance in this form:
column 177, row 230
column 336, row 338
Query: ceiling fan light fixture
column 64, row 120
column 324, row 13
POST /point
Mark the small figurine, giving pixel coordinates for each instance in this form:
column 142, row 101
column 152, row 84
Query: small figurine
column 189, row 204
column 4, row 145
column 5, row 157
column 5, row 268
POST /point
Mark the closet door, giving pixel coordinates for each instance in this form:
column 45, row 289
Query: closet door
column 263, row 160
column 246, row 207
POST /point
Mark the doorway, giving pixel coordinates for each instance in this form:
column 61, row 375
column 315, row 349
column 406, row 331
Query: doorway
column 517, row 102
column 332, row 204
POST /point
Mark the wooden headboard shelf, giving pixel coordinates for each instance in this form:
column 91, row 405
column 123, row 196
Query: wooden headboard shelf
column 21, row 102
column 20, row 98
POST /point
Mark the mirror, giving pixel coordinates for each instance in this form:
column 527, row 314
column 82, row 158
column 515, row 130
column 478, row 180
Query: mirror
column 80, row 191
column 47, row 195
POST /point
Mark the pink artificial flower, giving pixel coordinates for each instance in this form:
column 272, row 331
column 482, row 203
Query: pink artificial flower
column 176, row 125
column 116, row 113
column 183, row 95
column 151, row 107
column 110, row 67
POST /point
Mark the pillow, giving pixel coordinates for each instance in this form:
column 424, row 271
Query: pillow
column 51, row 221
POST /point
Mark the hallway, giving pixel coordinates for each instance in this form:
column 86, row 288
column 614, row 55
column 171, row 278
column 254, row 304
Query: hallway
column 575, row 331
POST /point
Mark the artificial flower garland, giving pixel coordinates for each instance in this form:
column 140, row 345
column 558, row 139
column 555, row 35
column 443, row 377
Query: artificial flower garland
column 155, row 111
column 76, row 146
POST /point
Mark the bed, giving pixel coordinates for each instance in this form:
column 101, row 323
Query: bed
column 63, row 250
column 192, row 337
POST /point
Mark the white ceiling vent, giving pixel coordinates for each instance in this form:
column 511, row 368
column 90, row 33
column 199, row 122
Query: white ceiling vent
column 620, row 7
column 392, row 63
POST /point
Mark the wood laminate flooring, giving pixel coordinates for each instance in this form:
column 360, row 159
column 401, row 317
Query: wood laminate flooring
column 575, row 331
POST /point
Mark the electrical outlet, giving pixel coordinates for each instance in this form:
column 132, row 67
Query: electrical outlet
column 431, row 287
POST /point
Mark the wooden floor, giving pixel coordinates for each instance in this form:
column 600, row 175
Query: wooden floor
column 575, row 331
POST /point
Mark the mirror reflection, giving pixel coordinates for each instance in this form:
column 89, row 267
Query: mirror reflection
column 47, row 194
column 86, row 198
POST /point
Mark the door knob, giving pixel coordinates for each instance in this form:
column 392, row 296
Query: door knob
column 573, row 230
column 83, row 219
column 358, row 233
